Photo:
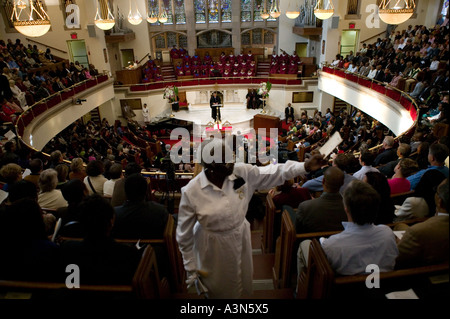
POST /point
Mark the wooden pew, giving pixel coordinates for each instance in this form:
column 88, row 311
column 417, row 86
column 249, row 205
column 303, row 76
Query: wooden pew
column 319, row 281
column 145, row 284
column 284, row 273
column 267, row 243
column 177, row 274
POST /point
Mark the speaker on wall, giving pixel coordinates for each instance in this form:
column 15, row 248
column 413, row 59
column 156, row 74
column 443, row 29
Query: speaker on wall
column 91, row 30
column 334, row 22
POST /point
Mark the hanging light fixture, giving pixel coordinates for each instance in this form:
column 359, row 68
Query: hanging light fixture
column 292, row 13
column 397, row 14
column 135, row 18
column 265, row 15
column 275, row 11
column 31, row 26
column 163, row 15
column 323, row 13
column 104, row 24
column 152, row 17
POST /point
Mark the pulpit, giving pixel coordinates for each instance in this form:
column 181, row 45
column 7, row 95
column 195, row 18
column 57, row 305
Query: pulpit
column 264, row 121
column 129, row 76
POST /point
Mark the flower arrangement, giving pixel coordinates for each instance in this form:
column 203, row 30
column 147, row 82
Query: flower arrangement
column 264, row 89
column 170, row 93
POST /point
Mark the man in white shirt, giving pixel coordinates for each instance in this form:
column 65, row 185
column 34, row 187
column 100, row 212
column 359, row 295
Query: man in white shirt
column 372, row 72
column 366, row 160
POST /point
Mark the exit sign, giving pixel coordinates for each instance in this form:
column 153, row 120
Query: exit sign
column 351, row 25
column 73, row 36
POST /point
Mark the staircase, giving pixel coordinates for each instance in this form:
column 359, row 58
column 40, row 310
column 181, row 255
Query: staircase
column 263, row 68
column 168, row 72
column 339, row 105
column 95, row 116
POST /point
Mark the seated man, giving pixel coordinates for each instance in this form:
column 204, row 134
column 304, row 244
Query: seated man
column 437, row 155
column 138, row 218
column 426, row 243
column 100, row 258
column 326, row 212
column 361, row 243
column 389, row 153
column 342, row 162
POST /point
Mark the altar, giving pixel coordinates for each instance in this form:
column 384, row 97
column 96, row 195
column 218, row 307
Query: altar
column 234, row 113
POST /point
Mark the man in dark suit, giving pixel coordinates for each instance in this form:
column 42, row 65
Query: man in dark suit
column 215, row 109
column 289, row 112
column 325, row 213
column 138, row 218
column 389, row 153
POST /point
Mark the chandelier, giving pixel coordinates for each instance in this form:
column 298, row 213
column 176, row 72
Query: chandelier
column 397, row 14
column 274, row 10
column 264, row 14
column 324, row 13
column 162, row 18
column 31, row 26
column 104, row 24
column 152, row 17
column 135, row 18
column 292, row 13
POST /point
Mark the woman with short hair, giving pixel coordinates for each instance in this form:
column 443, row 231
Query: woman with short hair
column 50, row 197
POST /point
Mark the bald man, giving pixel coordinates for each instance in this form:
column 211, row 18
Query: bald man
column 325, row 213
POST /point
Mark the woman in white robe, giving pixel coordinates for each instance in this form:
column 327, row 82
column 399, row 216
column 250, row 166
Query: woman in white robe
column 213, row 234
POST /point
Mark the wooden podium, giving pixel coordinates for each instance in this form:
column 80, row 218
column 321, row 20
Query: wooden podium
column 263, row 121
column 133, row 76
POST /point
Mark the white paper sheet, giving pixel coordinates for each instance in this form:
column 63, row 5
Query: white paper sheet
column 399, row 233
column 406, row 294
column 331, row 144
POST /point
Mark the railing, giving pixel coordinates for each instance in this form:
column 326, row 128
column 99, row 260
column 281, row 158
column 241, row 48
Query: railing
column 45, row 45
column 212, row 81
column 47, row 103
column 393, row 93
column 374, row 36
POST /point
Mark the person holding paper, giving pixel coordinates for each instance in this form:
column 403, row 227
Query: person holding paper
column 213, row 234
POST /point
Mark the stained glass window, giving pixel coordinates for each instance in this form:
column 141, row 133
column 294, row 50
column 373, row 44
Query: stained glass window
column 246, row 10
column 257, row 36
column 213, row 11
column 160, row 41
column 245, row 38
column 199, row 9
column 226, row 10
column 167, row 5
column 171, row 39
column 182, row 41
column 268, row 37
column 180, row 16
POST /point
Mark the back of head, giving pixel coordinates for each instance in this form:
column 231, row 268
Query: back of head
column 439, row 152
column 333, row 179
column 48, row 180
column 388, row 141
column 36, row 165
column 341, row 161
column 408, row 167
column 367, row 158
column 362, row 202
column 95, row 168
column 96, row 216
column 132, row 168
column 135, row 187
column 24, row 221
column 11, row 173
column 22, row 189
column 115, row 171
column 74, row 191
column 380, row 183
column 404, row 149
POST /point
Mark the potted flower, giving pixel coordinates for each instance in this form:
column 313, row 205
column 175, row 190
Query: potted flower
column 171, row 93
column 264, row 89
